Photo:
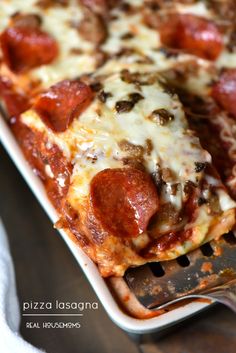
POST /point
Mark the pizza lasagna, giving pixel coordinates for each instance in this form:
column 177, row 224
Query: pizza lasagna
column 108, row 102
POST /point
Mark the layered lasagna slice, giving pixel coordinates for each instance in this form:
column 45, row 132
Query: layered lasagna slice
column 128, row 177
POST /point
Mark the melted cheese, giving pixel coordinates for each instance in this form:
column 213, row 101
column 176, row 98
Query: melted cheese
column 145, row 43
column 92, row 142
column 56, row 21
column 197, row 9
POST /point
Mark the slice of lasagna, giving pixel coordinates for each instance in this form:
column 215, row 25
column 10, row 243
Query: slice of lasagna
column 129, row 179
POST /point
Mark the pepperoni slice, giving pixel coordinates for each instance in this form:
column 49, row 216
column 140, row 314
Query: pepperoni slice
column 195, row 34
column 15, row 102
column 224, row 91
column 123, row 200
column 25, row 48
column 62, row 103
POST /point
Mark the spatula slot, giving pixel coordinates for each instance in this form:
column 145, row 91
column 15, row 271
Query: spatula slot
column 157, row 269
column 230, row 238
column 183, row 261
column 207, row 267
column 207, row 250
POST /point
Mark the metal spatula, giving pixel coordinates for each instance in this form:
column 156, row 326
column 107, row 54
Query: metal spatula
column 208, row 272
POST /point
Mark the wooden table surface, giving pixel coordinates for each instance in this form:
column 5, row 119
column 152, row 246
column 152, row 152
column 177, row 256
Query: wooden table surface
column 46, row 271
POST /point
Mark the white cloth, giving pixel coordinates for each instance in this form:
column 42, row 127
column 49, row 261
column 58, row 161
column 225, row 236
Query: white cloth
column 10, row 339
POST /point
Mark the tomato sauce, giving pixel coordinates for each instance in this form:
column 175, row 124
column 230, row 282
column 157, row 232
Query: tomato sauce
column 43, row 155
